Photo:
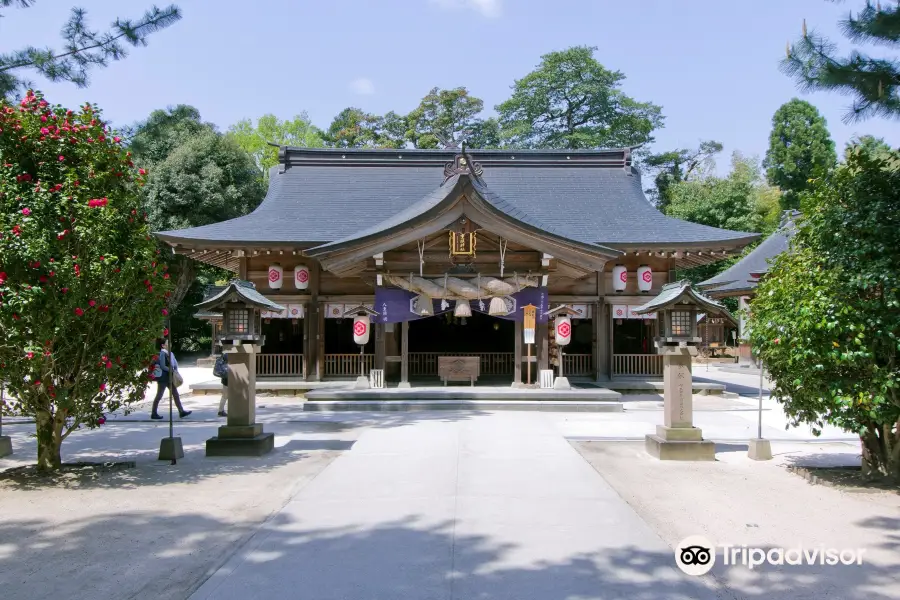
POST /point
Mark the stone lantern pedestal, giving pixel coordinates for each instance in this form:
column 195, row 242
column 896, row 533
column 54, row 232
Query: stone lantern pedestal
column 677, row 438
column 242, row 435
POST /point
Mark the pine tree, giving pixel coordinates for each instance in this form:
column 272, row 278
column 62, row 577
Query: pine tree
column 874, row 83
column 800, row 149
column 83, row 48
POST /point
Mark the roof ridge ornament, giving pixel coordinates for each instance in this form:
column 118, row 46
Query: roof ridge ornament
column 462, row 164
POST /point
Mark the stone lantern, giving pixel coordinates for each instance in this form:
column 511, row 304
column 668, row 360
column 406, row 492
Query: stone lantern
column 242, row 339
column 680, row 305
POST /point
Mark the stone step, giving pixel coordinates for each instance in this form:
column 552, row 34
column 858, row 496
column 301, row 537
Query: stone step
column 460, row 404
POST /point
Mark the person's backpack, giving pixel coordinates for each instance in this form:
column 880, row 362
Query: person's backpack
column 155, row 368
column 221, row 367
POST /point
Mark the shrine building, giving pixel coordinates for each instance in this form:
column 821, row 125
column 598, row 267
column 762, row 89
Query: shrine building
column 446, row 247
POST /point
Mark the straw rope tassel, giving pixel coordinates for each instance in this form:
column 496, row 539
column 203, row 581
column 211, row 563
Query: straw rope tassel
column 444, row 304
column 502, row 255
column 421, row 247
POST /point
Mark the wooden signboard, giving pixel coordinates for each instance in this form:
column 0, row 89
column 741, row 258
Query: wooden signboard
column 528, row 327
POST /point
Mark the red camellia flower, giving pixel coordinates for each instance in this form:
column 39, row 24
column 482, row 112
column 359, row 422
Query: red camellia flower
column 165, row 312
column 64, row 290
column 166, row 332
column 17, row 231
column 777, row 340
column 108, row 365
column 142, row 171
column 166, row 276
column 29, row 355
column 61, row 157
column 101, row 420
column 102, row 387
column 43, row 279
column 26, row 211
column 78, row 312
column 2, row 277
column 92, row 303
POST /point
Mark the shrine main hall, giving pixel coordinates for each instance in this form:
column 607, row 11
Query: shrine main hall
column 445, row 248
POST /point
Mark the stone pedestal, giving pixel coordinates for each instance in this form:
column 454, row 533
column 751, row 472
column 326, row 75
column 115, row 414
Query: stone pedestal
column 5, row 445
column 561, row 383
column 362, row 383
column 760, row 449
column 677, row 438
column 242, row 436
column 171, row 448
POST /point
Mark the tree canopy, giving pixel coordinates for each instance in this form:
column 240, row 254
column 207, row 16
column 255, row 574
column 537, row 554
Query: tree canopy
column 572, row 101
column 82, row 288
column 873, row 82
column 443, row 118
column 800, row 149
column 83, row 48
column 826, row 318
column 676, row 166
column 256, row 139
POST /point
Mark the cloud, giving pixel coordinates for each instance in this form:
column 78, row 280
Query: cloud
column 363, row 86
column 488, row 8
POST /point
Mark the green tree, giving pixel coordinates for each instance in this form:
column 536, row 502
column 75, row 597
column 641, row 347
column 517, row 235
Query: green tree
column 354, row 128
column 572, row 101
column 443, row 118
column 153, row 139
column 873, row 145
column 826, row 318
column 82, row 291
column 83, row 48
column 206, row 179
column 256, row 139
column 676, row 166
column 484, row 134
column 800, row 149
column 874, row 82
column 741, row 201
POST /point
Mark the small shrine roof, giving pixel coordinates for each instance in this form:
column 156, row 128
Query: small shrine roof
column 680, row 291
column 238, row 291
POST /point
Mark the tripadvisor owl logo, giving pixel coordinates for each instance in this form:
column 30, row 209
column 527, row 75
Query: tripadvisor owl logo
column 695, row 555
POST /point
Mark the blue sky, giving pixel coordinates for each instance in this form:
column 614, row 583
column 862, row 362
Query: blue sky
column 711, row 64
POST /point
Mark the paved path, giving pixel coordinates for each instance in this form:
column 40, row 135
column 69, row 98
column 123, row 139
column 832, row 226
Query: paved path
column 456, row 507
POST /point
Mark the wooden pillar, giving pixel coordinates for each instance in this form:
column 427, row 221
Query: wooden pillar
column 517, row 355
column 320, row 338
column 602, row 349
column 305, row 347
column 311, row 326
column 243, row 267
column 542, row 343
column 404, row 355
column 379, row 346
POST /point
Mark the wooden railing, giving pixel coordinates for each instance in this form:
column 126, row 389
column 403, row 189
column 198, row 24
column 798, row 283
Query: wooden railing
column 279, row 365
column 347, row 365
column 492, row 363
column 578, row 364
column 641, row 365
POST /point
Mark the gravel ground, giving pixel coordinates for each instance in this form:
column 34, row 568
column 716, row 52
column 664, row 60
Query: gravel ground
column 738, row 501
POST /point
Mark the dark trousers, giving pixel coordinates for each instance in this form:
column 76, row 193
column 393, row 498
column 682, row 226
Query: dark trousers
column 161, row 385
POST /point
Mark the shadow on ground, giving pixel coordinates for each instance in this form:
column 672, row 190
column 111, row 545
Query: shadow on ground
column 150, row 555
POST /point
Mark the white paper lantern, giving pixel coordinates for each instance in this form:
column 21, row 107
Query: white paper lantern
column 563, row 331
column 361, row 329
column 301, row 277
column 644, row 278
column 619, row 278
column 276, row 276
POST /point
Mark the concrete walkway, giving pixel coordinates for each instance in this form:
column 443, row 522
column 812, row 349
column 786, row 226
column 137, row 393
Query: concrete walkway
column 485, row 506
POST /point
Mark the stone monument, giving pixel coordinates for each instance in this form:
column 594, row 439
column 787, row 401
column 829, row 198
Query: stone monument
column 680, row 306
column 241, row 341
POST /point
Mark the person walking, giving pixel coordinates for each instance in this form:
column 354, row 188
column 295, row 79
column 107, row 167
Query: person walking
column 221, row 371
column 165, row 368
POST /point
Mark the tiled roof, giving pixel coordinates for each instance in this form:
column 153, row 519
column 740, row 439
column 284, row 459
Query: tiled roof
column 672, row 293
column 321, row 196
column 739, row 277
column 237, row 290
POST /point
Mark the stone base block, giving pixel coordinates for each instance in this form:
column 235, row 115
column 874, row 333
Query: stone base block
column 255, row 446
column 679, row 434
column 561, row 383
column 240, row 431
column 404, row 385
column 760, row 449
column 362, row 383
column 171, row 448
column 680, row 450
column 5, row 445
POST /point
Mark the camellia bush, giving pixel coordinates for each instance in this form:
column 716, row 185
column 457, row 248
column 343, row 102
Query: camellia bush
column 82, row 298
column 826, row 318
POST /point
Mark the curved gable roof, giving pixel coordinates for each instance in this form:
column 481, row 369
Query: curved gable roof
column 317, row 196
